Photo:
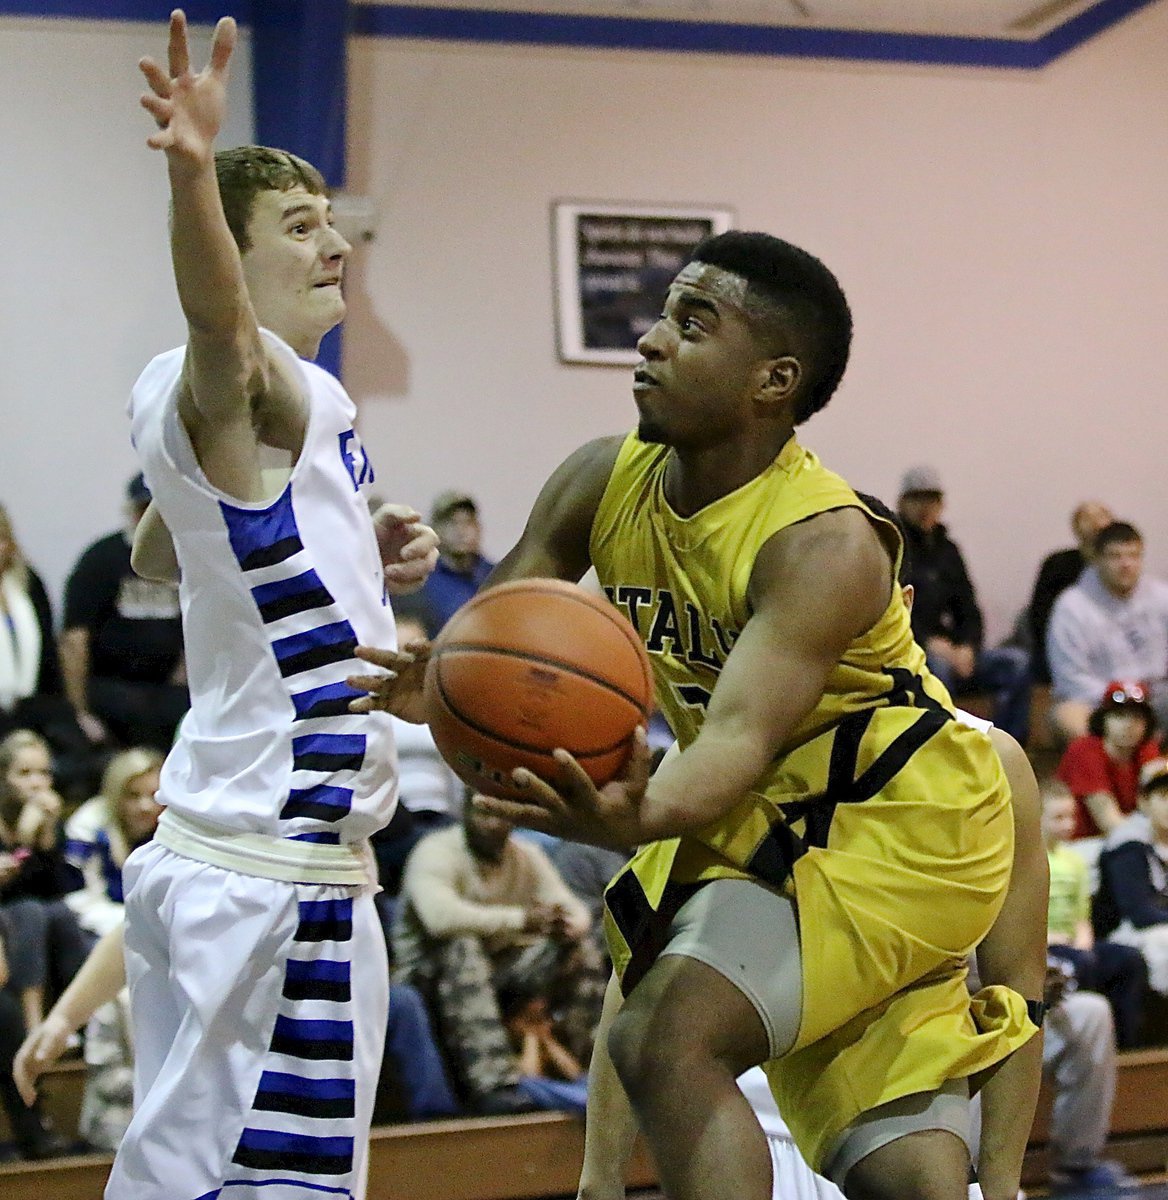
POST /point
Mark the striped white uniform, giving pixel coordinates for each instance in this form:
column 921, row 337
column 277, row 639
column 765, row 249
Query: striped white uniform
column 258, row 1000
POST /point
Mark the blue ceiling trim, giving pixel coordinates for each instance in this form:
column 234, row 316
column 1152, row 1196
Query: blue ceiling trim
column 199, row 12
column 484, row 25
column 1087, row 25
column 459, row 24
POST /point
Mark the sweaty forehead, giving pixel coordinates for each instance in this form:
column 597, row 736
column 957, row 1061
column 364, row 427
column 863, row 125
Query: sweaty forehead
column 714, row 283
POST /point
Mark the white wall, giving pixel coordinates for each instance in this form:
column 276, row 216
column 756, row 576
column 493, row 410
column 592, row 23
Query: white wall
column 86, row 293
column 1001, row 236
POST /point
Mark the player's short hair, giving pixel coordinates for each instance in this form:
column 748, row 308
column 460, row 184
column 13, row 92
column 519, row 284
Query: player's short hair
column 793, row 295
column 1118, row 533
column 245, row 171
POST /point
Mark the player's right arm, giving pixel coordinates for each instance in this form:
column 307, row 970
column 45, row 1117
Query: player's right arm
column 1013, row 953
column 555, row 542
column 228, row 378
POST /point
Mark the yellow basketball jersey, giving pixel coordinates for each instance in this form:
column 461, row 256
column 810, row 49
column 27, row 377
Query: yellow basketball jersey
column 886, row 820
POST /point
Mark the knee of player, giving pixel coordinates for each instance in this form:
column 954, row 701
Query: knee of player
column 643, row 1055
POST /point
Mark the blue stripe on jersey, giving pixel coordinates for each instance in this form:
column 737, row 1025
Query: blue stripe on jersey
column 261, row 537
column 317, row 979
column 328, row 752
column 284, row 597
column 315, row 648
column 313, row 1039
column 269, row 538
column 329, row 700
column 276, row 1181
column 322, row 803
column 260, row 1148
column 325, row 921
column 321, row 1099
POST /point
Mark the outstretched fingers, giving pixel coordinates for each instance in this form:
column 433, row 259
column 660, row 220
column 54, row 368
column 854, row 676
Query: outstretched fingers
column 222, row 45
column 178, row 51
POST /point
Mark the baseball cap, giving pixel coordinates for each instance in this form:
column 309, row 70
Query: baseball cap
column 921, row 479
column 136, row 490
column 447, row 502
column 1154, row 774
column 1124, row 691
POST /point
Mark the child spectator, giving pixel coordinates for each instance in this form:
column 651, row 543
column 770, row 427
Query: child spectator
column 1115, row 970
column 1102, row 767
column 100, row 835
column 48, row 945
column 1132, row 905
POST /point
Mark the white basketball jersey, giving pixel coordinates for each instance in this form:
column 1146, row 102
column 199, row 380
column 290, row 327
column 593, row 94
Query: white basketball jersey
column 275, row 596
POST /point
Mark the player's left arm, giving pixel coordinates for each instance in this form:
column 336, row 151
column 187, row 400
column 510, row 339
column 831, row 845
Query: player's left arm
column 153, row 555
column 814, row 588
column 1013, row 953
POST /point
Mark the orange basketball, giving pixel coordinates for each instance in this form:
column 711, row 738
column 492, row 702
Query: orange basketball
column 529, row 666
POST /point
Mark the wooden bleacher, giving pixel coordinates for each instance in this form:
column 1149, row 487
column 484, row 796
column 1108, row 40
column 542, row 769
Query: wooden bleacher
column 527, row 1157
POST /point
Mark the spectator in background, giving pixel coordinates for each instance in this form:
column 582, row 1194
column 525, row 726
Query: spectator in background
column 1112, row 624
column 122, row 647
column 101, row 834
column 1078, row 1058
column 461, row 566
column 1058, row 571
column 946, row 618
column 33, row 1137
column 1102, row 768
column 31, row 692
column 1117, row 971
column 485, row 917
column 48, row 945
column 1132, row 903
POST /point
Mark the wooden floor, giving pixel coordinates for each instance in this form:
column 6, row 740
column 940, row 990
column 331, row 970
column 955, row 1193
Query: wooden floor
column 529, row 1157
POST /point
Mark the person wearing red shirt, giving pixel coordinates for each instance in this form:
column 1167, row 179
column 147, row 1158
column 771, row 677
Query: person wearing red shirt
column 1102, row 767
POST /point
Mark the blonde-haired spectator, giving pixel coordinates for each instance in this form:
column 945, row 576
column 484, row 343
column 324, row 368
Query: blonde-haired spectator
column 101, row 834
column 48, row 945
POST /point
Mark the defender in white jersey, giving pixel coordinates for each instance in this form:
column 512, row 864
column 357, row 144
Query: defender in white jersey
column 255, row 959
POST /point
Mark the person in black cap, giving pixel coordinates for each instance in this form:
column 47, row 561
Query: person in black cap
column 122, row 646
column 946, row 617
column 461, row 568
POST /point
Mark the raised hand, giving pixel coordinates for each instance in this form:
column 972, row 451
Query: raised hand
column 399, row 691
column 187, row 107
column 409, row 548
column 575, row 808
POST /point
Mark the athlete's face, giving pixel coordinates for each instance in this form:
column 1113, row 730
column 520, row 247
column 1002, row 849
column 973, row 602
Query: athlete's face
column 294, row 266
column 703, row 364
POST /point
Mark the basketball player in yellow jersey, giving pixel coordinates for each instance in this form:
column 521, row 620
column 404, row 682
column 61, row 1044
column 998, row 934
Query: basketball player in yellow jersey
column 828, row 846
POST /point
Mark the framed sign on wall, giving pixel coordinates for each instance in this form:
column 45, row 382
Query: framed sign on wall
column 614, row 264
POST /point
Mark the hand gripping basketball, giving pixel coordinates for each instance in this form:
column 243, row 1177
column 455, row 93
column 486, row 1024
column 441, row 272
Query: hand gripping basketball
column 531, row 667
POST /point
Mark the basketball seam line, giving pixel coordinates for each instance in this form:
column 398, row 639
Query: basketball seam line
column 531, row 656
column 512, row 744
column 628, row 632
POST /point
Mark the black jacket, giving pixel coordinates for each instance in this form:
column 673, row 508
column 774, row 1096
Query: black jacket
column 945, row 604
